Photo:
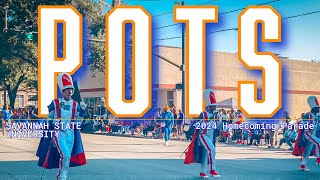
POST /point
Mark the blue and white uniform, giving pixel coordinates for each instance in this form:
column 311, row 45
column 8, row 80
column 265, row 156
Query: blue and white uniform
column 207, row 139
column 64, row 140
column 68, row 141
column 310, row 136
column 202, row 147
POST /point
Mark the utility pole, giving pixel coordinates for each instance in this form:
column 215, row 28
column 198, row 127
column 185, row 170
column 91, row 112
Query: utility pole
column 183, row 102
column 183, row 67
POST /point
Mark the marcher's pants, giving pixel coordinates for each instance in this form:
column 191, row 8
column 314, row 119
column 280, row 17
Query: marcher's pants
column 209, row 153
column 311, row 140
column 64, row 143
column 167, row 131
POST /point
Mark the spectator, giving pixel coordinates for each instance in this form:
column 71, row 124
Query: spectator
column 126, row 126
column 89, row 114
column 231, row 117
column 105, row 119
column 168, row 116
column 174, row 127
column 135, row 124
column 157, row 129
column 286, row 119
column 174, row 111
column 189, row 127
column 147, row 126
column 239, row 120
column 23, row 117
column 224, row 116
column 31, row 115
column 245, row 134
column 271, row 133
column 88, row 125
column 157, row 114
column 7, row 113
column 225, row 135
column 179, row 123
column 256, row 135
column 97, row 125
column 289, row 138
column 15, row 116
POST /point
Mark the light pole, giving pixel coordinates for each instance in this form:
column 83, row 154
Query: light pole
column 6, row 8
column 182, row 68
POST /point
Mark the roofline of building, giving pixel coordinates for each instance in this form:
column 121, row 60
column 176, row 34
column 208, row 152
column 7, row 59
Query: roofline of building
column 277, row 54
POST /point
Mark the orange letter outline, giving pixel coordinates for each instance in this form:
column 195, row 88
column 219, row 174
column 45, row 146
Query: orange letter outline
column 259, row 67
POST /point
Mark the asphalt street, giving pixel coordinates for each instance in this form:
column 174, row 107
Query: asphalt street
column 122, row 158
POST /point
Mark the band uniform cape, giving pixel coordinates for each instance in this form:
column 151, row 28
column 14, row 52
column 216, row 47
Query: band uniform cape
column 195, row 149
column 48, row 154
column 300, row 144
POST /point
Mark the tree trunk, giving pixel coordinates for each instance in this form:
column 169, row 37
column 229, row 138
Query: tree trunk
column 4, row 94
column 12, row 93
column 12, row 96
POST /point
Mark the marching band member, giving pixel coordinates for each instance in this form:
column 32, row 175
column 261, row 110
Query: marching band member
column 207, row 135
column 202, row 148
column 307, row 138
column 168, row 123
column 64, row 149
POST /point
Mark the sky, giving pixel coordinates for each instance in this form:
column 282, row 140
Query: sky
column 300, row 35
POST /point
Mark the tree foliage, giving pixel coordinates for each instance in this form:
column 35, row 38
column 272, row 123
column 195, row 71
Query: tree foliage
column 17, row 74
column 18, row 55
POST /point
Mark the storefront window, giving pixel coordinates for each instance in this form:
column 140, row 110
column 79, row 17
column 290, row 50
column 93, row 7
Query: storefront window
column 19, row 101
column 2, row 99
column 97, row 103
column 170, row 98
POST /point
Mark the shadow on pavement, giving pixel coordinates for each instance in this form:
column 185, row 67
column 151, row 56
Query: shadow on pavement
column 154, row 169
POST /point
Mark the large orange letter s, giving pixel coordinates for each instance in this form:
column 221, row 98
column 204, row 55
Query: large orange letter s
column 267, row 62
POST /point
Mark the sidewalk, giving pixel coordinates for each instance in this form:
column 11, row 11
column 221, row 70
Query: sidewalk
column 140, row 136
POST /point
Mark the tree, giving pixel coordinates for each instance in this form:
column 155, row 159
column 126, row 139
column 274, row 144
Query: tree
column 97, row 54
column 18, row 54
column 22, row 19
column 15, row 74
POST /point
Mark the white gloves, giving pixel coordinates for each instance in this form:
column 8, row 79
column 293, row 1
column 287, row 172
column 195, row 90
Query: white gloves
column 83, row 105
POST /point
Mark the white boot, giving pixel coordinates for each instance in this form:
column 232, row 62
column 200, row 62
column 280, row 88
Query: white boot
column 167, row 143
column 204, row 176
column 304, row 168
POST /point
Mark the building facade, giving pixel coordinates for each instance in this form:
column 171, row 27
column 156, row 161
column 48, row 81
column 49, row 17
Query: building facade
column 22, row 99
column 301, row 79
